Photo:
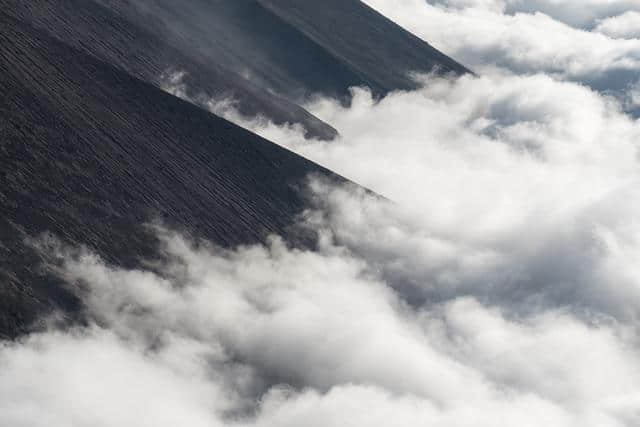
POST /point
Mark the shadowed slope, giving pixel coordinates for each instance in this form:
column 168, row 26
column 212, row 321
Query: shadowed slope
column 371, row 45
column 294, row 47
column 138, row 44
column 269, row 55
column 90, row 153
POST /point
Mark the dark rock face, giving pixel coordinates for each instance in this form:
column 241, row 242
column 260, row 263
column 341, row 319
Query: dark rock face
column 90, row 153
column 296, row 48
column 380, row 52
column 141, row 46
column 270, row 55
column 91, row 149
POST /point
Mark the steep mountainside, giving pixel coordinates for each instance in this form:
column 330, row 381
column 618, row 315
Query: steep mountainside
column 91, row 149
column 90, row 154
column 270, row 55
column 296, row 47
column 371, row 45
column 139, row 45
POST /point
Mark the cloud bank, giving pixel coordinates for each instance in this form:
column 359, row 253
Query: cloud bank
column 271, row 336
column 521, row 191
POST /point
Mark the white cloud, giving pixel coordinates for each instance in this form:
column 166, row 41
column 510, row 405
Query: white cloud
column 319, row 338
column 93, row 378
column 513, row 232
column 626, row 25
column 577, row 13
column 524, row 182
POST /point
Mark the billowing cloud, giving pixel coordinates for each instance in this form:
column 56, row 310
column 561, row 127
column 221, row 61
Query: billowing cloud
column 479, row 302
column 520, row 190
column 626, row 25
column 513, row 228
column 272, row 336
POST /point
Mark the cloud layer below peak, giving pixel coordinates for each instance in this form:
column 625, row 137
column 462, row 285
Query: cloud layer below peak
column 272, row 336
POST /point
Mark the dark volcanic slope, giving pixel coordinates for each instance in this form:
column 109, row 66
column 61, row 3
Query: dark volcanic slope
column 294, row 47
column 269, row 55
column 89, row 153
column 371, row 45
column 141, row 45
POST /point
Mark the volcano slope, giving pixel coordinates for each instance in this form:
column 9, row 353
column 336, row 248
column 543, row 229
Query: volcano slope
column 296, row 48
column 90, row 153
column 268, row 55
column 145, row 51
